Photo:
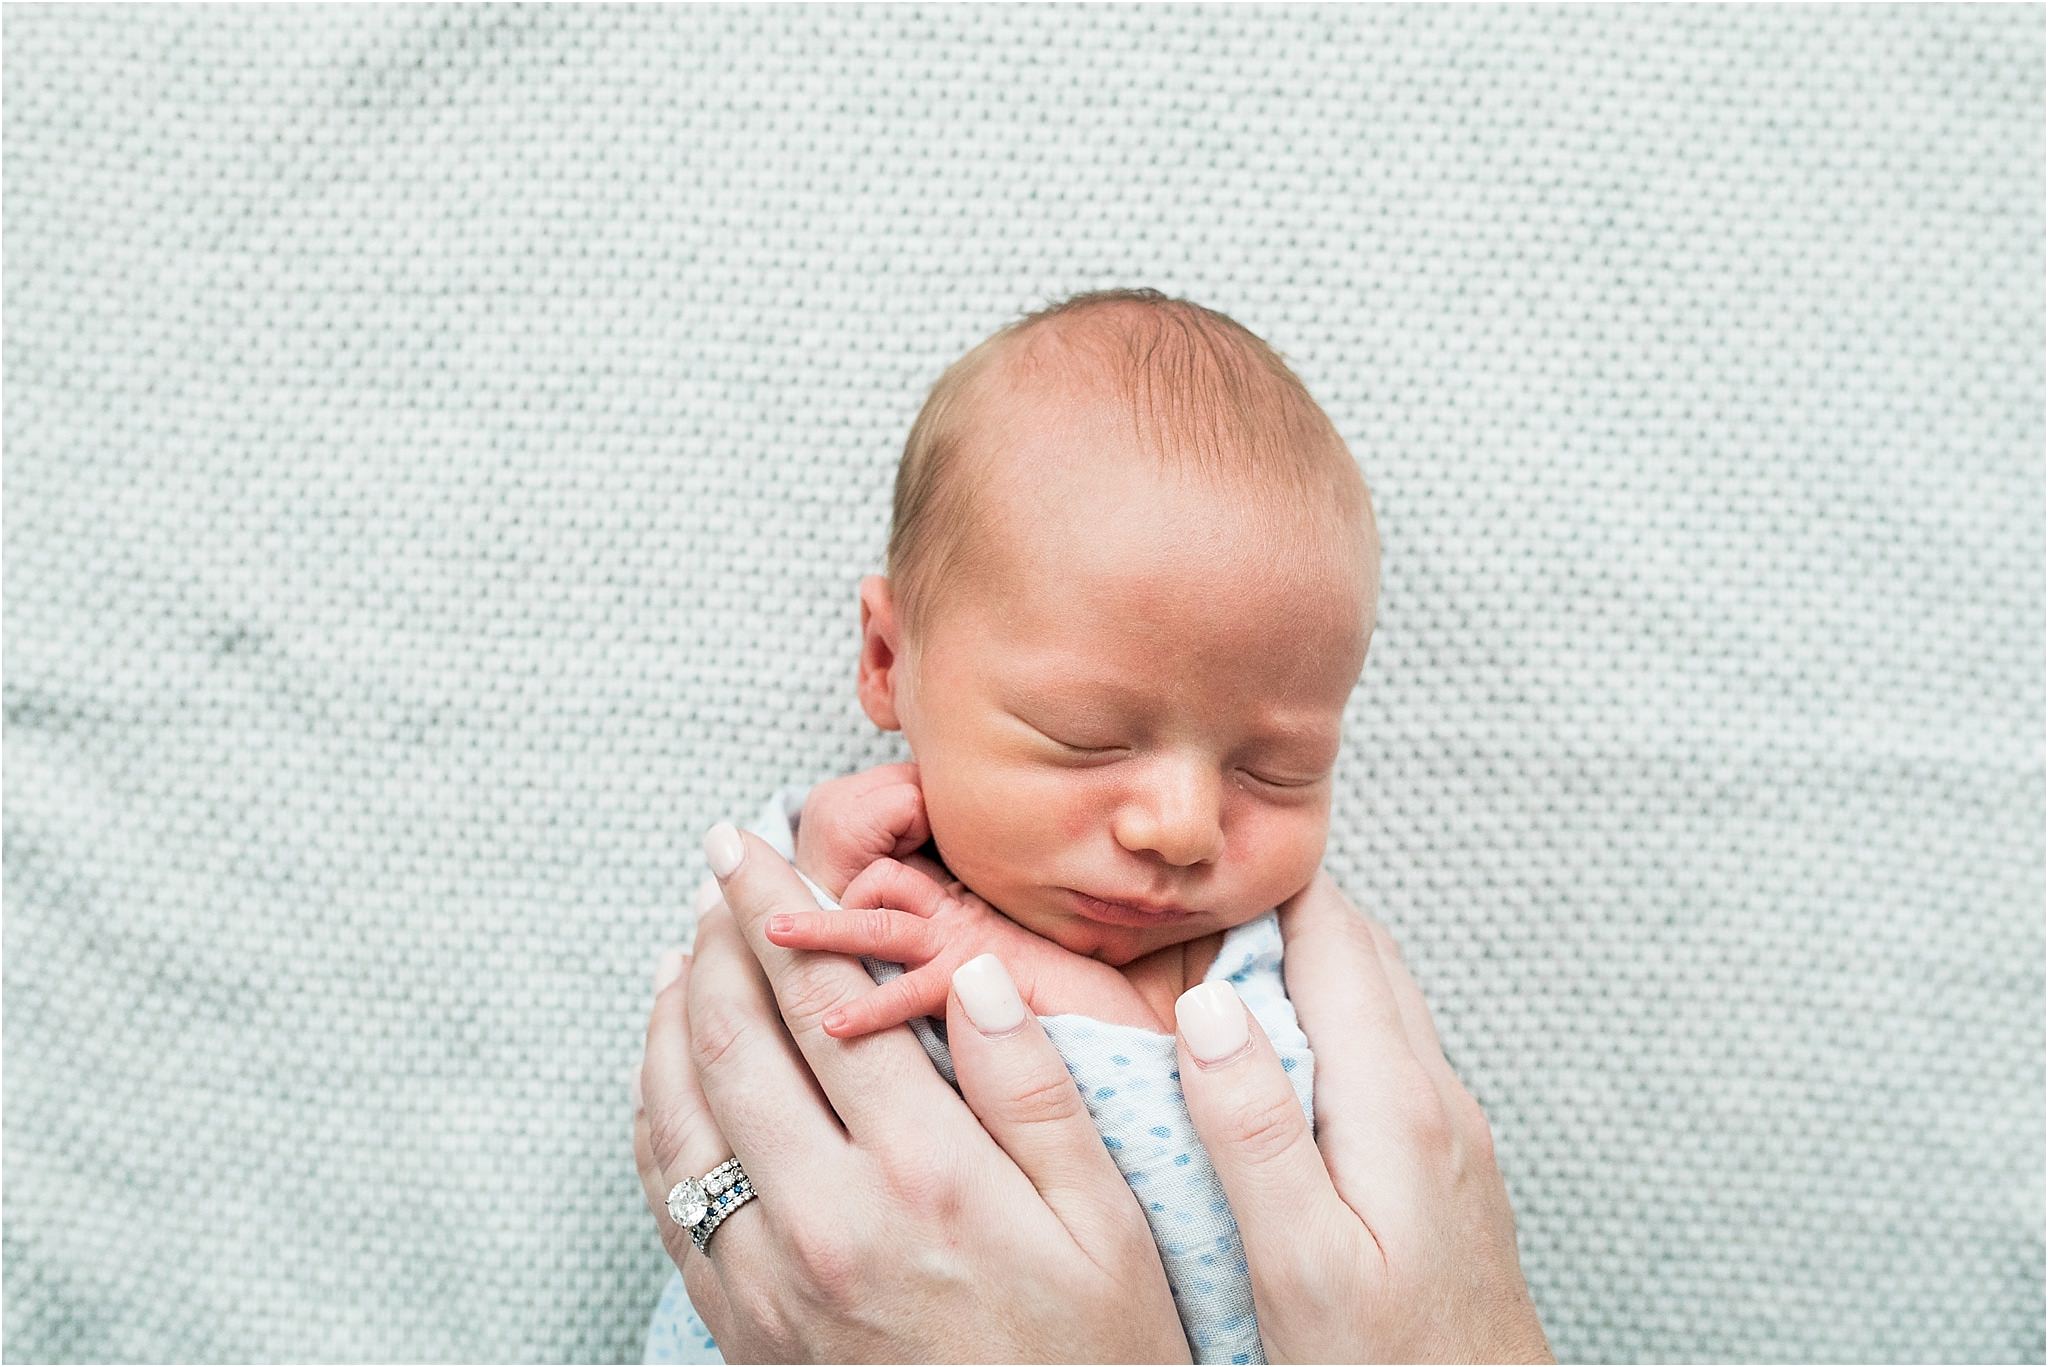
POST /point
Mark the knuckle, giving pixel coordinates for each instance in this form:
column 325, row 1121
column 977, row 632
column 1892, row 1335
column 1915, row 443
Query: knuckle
column 1423, row 1118
column 808, row 997
column 910, row 876
column 1478, row 1130
column 932, row 1189
column 1472, row 1147
column 755, row 1303
column 912, row 799
column 1260, row 1130
column 1050, row 1099
column 909, row 997
column 672, row 1131
column 909, row 994
column 953, row 912
column 870, row 883
column 824, row 1265
column 716, row 1030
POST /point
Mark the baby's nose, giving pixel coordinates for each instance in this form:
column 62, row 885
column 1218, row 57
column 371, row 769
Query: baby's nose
column 1179, row 820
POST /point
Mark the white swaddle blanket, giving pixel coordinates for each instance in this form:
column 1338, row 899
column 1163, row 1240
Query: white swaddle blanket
column 1130, row 1081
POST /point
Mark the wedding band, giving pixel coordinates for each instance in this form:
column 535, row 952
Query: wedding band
column 700, row 1204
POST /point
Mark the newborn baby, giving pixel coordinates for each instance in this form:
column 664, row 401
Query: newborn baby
column 1124, row 712
column 1131, row 583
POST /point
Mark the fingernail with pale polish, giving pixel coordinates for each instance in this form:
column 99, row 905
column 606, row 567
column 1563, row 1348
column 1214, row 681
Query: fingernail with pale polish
column 706, row 897
column 988, row 996
column 723, row 850
column 1212, row 1021
column 667, row 968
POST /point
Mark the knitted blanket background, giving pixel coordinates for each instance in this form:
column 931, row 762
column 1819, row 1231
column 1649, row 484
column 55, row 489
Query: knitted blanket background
column 442, row 444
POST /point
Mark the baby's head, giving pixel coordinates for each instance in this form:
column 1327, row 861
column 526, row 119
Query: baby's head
column 1131, row 583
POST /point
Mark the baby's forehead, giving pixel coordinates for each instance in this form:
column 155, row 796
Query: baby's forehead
column 1065, row 485
column 1125, row 519
column 1174, row 611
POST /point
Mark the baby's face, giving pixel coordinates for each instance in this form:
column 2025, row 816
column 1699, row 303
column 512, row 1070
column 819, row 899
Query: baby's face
column 1125, row 735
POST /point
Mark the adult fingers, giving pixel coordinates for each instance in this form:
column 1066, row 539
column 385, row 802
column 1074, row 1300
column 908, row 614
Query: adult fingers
column 1422, row 1034
column 882, row 1086
column 1378, row 1110
column 1017, row 1085
column 1259, row 1141
column 1412, row 1009
column 706, row 897
column 1415, row 1018
column 753, row 1080
column 682, row 1131
column 1416, row 1021
column 674, row 1134
column 700, row 1279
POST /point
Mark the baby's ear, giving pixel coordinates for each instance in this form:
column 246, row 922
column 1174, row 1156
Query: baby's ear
column 880, row 652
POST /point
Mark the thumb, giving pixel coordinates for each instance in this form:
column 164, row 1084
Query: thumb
column 1019, row 1088
column 1250, row 1120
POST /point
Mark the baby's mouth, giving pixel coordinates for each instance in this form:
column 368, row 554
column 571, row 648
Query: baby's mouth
column 1122, row 913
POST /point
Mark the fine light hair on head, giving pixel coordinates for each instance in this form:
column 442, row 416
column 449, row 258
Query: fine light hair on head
column 1209, row 399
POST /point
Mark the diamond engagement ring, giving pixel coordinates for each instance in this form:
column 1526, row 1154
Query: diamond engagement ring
column 700, row 1204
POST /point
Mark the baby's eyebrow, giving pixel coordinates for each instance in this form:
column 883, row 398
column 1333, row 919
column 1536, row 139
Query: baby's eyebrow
column 1302, row 732
column 1321, row 739
column 1306, row 724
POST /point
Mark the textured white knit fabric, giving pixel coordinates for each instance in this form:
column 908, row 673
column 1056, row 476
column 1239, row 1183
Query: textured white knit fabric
column 441, row 445
column 1130, row 1082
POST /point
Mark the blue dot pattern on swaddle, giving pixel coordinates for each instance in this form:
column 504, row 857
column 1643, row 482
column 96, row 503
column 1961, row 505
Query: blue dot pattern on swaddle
column 1130, row 1080
column 674, row 1333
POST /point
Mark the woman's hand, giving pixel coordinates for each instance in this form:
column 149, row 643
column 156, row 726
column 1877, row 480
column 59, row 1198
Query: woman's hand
column 891, row 1221
column 1387, row 1236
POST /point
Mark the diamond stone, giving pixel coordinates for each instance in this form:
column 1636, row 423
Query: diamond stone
column 720, row 1180
column 686, row 1204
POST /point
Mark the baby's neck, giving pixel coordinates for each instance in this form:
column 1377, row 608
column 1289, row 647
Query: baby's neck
column 1161, row 976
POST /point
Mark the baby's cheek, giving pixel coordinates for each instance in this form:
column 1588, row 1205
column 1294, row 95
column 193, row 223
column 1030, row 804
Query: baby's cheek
column 988, row 832
column 1282, row 850
column 1074, row 820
